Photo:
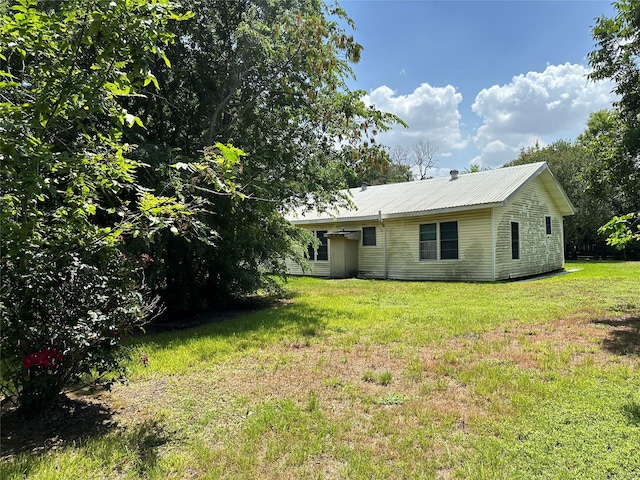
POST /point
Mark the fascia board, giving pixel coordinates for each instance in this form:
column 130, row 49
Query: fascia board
column 421, row 213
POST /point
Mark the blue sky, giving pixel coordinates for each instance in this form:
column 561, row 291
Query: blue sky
column 479, row 79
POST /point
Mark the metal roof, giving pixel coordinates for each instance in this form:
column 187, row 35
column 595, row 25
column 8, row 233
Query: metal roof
column 469, row 191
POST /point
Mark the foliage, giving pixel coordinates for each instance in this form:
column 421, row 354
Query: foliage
column 373, row 166
column 475, row 167
column 270, row 78
column 615, row 57
column 71, row 197
column 617, row 135
column 64, row 323
column 622, row 230
column 612, row 173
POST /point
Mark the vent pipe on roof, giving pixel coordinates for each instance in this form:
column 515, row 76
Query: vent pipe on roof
column 454, row 174
column 364, row 187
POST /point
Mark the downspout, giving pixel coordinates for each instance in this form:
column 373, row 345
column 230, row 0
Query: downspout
column 384, row 228
column 493, row 245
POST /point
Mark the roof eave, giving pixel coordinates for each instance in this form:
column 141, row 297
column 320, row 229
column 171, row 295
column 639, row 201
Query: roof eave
column 420, row 213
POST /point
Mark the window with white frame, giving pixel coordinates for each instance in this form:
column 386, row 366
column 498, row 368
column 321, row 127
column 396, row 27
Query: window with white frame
column 428, row 242
column 547, row 221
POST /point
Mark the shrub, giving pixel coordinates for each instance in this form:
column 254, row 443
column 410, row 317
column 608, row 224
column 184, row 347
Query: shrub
column 64, row 321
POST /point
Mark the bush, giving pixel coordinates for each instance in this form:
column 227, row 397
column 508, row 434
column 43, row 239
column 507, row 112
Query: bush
column 64, row 321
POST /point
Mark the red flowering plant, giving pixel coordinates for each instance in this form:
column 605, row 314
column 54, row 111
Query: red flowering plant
column 62, row 328
column 48, row 358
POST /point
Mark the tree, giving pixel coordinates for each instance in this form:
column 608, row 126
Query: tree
column 72, row 202
column 373, row 166
column 268, row 77
column 420, row 158
column 424, row 158
column 476, row 167
column 616, row 57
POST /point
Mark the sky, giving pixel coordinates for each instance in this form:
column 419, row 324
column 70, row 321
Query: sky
column 479, row 80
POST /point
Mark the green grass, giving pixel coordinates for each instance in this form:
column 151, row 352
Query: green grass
column 375, row 379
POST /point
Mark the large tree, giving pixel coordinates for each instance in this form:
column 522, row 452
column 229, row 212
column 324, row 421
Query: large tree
column 617, row 57
column 268, row 77
column 72, row 201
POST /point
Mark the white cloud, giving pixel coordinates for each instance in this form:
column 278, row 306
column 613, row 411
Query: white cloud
column 431, row 113
column 539, row 106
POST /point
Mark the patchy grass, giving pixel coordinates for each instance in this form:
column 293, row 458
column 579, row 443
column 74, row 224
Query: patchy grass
column 371, row 379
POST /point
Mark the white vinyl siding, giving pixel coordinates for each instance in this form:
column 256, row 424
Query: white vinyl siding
column 484, row 242
column 474, row 262
column 316, row 268
column 538, row 251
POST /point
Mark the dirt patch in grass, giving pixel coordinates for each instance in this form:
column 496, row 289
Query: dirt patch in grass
column 576, row 338
column 341, row 380
column 336, row 374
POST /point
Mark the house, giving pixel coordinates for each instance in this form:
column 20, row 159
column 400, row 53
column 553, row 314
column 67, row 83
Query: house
column 485, row 226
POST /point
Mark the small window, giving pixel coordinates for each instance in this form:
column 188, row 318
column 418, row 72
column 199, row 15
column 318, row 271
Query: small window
column 322, row 253
column 515, row 240
column 369, row 236
column 548, row 224
column 428, row 242
column 449, row 240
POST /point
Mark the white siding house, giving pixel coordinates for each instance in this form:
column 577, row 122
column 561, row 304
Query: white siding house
column 484, row 226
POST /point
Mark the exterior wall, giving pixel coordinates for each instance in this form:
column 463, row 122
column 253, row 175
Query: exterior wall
column 539, row 252
column 318, row 268
column 475, row 260
column 371, row 258
column 475, row 257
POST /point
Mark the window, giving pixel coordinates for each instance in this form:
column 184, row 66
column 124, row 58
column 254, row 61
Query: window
column 548, row 224
column 368, row 236
column 428, row 242
column 449, row 240
column 515, row 240
column 323, row 249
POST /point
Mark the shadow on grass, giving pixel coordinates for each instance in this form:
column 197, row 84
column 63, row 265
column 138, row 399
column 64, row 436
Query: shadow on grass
column 68, row 421
column 632, row 412
column 284, row 319
column 80, row 424
column 623, row 337
column 247, row 306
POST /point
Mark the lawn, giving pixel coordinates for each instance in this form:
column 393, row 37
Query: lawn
column 371, row 379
